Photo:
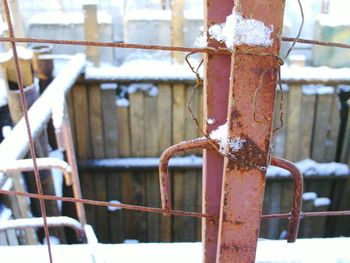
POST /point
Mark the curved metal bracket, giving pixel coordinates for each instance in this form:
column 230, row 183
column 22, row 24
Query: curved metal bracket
column 204, row 143
column 297, row 196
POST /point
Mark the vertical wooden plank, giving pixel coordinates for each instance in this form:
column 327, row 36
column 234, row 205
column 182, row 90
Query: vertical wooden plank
column 190, row 179
column 286, row 205
column 177, row 27
column 306, row 223
column 275, row 206
column 110, row 130
column 124, row 146
column 319, row 223
column 82, row 125
column 152, row 182
column 22, row 203
column 346, row 142
column 293, row 122
column 178, row 135
column 98, row 152
column 306, row 125
column 264, row 231
column 18, row 22
column 91, row 32
column 164, row 112
column 280, row 136
column 333, row 129
column 322, row 126
column 137, row 130
column 342, row 222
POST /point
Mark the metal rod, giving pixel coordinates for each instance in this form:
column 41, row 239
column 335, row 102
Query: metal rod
column 297, row 196
column 108, row 204
column 159, row 47
column 164, row 178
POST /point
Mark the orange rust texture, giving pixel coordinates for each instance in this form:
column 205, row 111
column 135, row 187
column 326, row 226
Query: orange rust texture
column 244, row 176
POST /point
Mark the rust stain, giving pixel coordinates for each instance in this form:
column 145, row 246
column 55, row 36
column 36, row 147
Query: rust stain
column 249, row 157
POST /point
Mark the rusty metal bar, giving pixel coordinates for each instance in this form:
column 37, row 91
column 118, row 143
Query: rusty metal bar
column 215, row 94
column 26, row 165
column 164, row 178
column 249, row 121
column 297, row 196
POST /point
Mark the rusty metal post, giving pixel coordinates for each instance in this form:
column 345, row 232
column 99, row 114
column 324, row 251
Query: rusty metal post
column 216, row 87
column 249, row 118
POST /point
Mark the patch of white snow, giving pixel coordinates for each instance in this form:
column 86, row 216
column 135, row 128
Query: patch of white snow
column 322, row 201
column 238, row 30
column 113, row 208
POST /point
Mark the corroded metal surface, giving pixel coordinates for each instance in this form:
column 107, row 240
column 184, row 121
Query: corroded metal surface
column 249, row 120
column 164, row 178
column 216, row 87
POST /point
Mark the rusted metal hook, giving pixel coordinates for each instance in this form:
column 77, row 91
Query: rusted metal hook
column 164, row 178
column 297, row 196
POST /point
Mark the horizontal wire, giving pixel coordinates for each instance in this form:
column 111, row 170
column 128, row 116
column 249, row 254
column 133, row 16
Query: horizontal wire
column 308, row 214
column 160, row 210
column 222, row 51
column 106, row 204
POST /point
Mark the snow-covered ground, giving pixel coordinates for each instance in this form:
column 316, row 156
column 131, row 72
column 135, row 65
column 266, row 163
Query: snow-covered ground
column 335, row 250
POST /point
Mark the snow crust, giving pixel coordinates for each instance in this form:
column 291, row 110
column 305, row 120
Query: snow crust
column 322, row 201
column 122, row 102
column 201, row 41
column 308, row 196
column 320, row 250
column 318, row 90
column 142, row 70
column 238, row 30
column 309, row 167
column 151, row 89
column 316, row 74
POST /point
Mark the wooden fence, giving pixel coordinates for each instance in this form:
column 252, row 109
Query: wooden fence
column 153, row 118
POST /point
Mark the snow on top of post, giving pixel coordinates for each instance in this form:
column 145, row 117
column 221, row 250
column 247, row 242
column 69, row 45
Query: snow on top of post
column 238, row 30
column 322, row 201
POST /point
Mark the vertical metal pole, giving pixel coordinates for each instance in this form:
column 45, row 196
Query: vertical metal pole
column 216, row 87
column 249, row 117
